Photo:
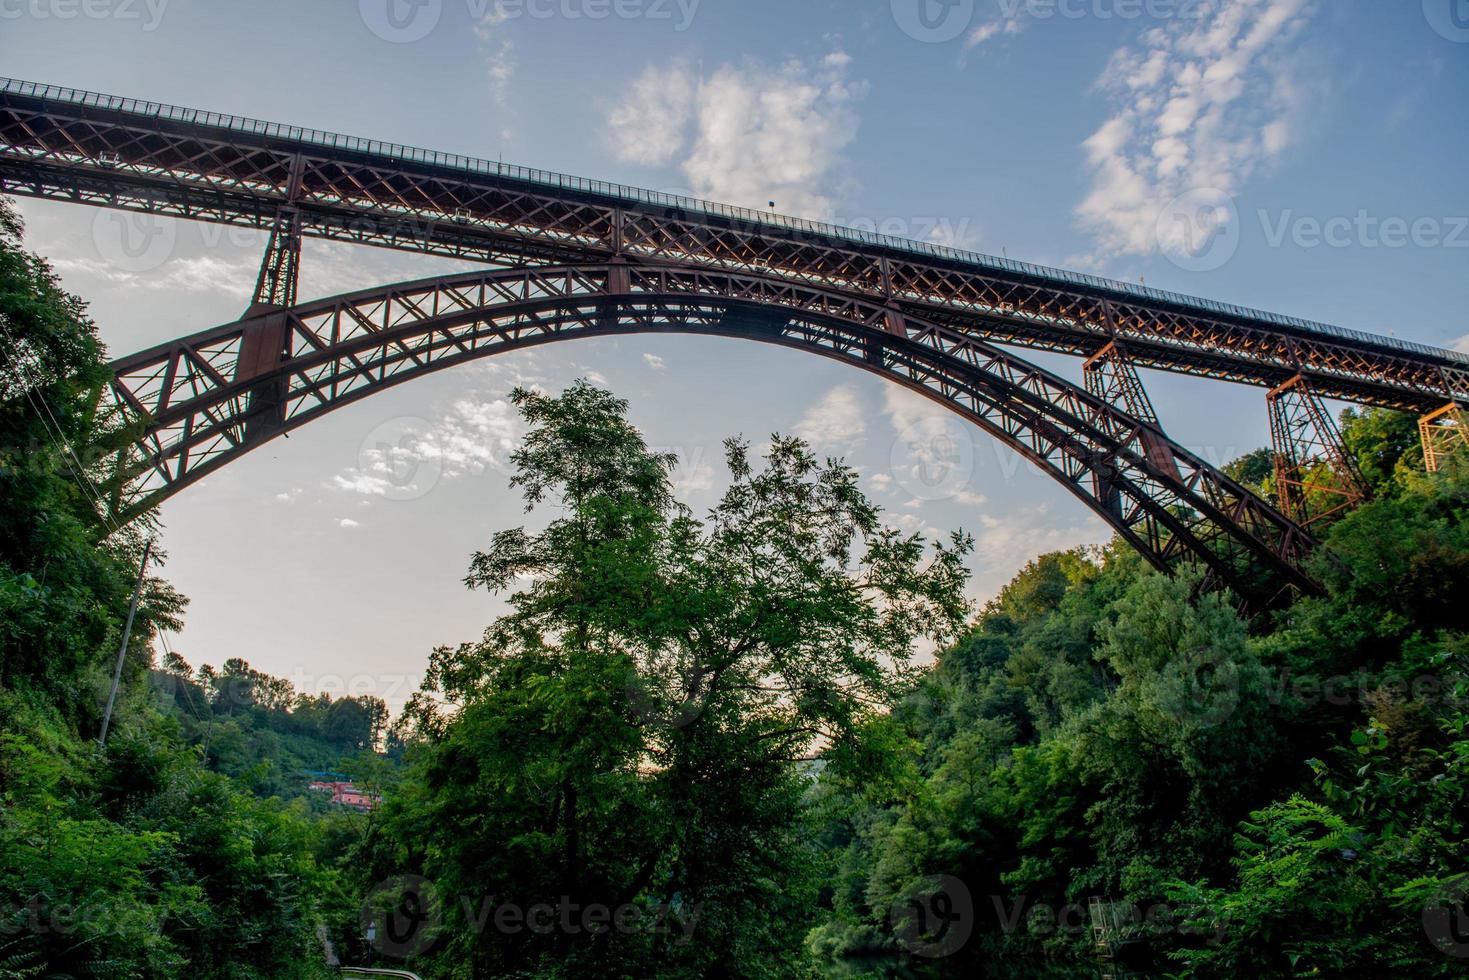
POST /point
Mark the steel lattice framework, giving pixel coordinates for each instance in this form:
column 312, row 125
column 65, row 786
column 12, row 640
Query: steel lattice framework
column 207, row 399
column 103, row 150
column 575, row 258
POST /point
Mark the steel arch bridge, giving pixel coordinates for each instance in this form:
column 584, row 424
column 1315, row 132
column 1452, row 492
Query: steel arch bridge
column 208, row 399
column 576, row 258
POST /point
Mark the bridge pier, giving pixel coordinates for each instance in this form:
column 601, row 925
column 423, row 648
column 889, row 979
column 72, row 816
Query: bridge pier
column 1110, row 375
column 262, row 349
column 275, row 289
column 1315, row 478
column 1443, row 432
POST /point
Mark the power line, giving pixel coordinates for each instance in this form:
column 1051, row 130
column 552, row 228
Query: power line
column 58, row 435
column 73, row 462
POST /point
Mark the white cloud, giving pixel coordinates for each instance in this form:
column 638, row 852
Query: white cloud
column 406, row 457
column 655, row 362
column 648, row 125
column 1203, row 102
column 1461, row 344
column 836, row 421
column 499, row 52
column 913, row 415
column 968, row 498
column 193, row 274
column 692, row 478
column 1009, row 23
column 348, row 523
column 1003, row 546
column 746, row 135
column 983, row 33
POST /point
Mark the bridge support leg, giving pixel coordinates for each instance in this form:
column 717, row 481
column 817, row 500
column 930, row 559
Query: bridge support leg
column 1443, row 432
column 1315, row 479
column 1110, row 375
column 276, row 287
column 261, row 352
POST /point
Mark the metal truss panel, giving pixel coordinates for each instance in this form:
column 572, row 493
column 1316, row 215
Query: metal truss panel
column 1444, row 433
column 296, row 365
column 1315, row 478
column 1109, row 374
column 109, row 152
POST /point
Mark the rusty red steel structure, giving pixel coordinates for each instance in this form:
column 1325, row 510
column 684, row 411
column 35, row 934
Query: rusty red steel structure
column 576, row 257
column 211, row 397
column 1315, row 478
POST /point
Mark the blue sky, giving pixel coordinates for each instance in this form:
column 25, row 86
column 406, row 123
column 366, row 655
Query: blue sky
column 1326, row 140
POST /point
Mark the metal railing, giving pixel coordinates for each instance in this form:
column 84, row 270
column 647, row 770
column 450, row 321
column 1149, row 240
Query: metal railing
column 358, row 972
column 622, row 193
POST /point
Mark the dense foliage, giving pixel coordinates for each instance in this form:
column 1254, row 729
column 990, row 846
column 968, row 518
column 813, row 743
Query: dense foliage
column 136, row 861
column 1287, row 797
column 700, row 745
column 632, row 743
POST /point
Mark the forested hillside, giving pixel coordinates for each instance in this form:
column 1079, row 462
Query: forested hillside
column 703, row 745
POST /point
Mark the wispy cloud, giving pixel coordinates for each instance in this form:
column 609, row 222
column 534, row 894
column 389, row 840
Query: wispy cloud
column 746, row 135
column 1011, row 21
column 837, row 421
column 1200, row 103
column 404, row 458
column 191, row 274
column 499, row 54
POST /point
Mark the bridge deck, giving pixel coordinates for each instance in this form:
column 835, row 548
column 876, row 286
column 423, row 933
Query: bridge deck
column 105, row 150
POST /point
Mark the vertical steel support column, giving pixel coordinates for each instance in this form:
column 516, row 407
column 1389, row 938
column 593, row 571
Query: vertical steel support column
column 280, row 270
column 1443, row 432
column 1110, row 375
column 261, row 351
column 1315, row 479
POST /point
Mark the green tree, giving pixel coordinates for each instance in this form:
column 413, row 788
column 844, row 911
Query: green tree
column 637, row 731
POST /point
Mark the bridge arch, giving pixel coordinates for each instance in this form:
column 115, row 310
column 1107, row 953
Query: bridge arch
column 193, row 405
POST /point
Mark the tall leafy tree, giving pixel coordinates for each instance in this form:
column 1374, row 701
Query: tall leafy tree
column 638, row 730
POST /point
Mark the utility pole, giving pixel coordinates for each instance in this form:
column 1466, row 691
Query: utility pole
column 122, row 650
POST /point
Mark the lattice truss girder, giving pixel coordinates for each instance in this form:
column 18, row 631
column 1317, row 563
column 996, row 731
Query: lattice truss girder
column 1444, row 433
column 129, row 159
column 1110, row 375
column 200, row 400
column 280, row 270
column 1316, row 479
